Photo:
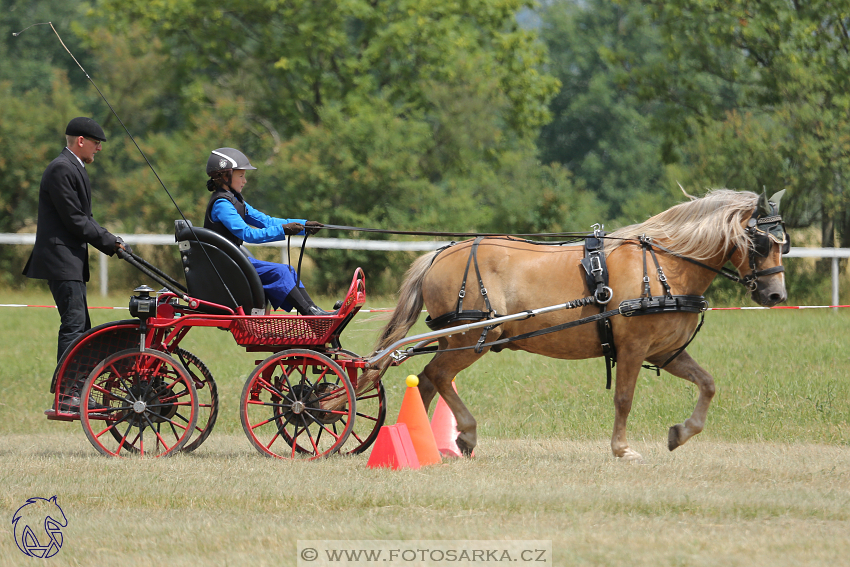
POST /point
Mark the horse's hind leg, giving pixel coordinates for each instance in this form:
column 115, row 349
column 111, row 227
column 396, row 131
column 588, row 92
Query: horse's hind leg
column 686, row 367
column 438, row 375
column 426, row 390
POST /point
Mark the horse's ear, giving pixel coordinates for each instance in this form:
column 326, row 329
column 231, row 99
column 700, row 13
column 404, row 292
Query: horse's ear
column 776, row 198
column 763, row 205
column 53, row 499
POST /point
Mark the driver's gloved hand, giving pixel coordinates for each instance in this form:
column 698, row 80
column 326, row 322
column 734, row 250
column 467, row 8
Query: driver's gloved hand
column 292, row 228
column 312, row 227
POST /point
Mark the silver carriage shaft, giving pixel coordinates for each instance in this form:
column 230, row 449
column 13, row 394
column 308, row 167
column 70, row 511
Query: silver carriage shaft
column 427, row 338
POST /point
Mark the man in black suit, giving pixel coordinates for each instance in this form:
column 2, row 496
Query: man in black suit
column 66, row 227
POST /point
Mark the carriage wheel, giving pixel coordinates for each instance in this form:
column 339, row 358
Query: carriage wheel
column 371, row 413
column 297, row 403
column 139, row 402
column 207, row 397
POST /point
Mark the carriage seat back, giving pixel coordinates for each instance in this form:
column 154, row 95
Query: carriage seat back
column 217, row 270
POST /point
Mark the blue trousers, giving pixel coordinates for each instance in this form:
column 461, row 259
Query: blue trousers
column 278, row 280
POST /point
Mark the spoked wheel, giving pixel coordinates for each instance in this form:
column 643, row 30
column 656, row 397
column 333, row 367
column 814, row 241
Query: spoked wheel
column 207, row 397
column 297, row 403
column 139, row 402
column 371, row 413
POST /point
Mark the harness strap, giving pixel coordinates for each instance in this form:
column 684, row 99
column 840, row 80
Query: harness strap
column 658, row 369
column 725, row 272
column 597, row 283
column 470, row 314
column 661, row 277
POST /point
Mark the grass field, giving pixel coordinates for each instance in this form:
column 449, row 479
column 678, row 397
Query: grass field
column 767, row 482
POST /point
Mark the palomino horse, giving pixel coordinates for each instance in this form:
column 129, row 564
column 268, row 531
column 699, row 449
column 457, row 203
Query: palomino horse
column 693, row 241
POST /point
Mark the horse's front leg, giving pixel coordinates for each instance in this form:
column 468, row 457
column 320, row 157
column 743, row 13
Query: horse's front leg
column 686, row 367
column 628, row 368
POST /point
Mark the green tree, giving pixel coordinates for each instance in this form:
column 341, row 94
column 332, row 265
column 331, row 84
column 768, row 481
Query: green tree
column 290, row 58
column 601, row 130
column 787, row 65
column 394, row 115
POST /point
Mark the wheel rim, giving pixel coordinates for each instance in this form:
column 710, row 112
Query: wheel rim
column 139, row 403
column 298, row 404
column 207, row 392
column 371, row 414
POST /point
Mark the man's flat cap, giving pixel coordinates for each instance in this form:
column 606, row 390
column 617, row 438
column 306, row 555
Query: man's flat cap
column 87, row 127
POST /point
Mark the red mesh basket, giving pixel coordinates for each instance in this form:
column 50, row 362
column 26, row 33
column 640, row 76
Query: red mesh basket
column 283, row 330
column 279, row 330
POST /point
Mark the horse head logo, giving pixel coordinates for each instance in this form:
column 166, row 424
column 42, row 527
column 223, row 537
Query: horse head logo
column 38, row 527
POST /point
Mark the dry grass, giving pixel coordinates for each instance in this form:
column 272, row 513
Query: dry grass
column 706, row 504
column 767, row 483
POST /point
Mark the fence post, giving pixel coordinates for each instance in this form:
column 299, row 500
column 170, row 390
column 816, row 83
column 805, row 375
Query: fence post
column 835, row 283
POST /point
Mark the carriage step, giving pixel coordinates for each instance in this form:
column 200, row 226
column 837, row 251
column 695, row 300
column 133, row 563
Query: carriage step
column 52, row 414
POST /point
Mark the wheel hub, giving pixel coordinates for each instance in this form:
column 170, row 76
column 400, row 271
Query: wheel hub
column 152, row 394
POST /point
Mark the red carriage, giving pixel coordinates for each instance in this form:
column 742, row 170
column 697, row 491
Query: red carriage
column 144, row 394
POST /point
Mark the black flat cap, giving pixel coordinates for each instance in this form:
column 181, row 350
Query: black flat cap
column 87, row 127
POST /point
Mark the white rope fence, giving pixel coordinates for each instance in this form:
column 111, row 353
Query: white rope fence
column 383, row 245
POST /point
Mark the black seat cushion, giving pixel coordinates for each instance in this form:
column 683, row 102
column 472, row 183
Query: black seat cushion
column 217, row 270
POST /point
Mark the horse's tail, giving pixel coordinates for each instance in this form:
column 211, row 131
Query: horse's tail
column 404, row 316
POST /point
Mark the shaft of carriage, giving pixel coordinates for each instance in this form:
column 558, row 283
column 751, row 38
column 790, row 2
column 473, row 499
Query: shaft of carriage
column 423, row 340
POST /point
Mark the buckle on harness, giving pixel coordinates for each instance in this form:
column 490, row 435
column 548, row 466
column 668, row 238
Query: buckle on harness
column 595, row 264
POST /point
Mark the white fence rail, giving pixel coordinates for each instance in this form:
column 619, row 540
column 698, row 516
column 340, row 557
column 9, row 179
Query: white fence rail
column 382, row 245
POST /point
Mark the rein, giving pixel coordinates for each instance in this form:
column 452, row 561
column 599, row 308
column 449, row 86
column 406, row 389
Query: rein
column 463, row 234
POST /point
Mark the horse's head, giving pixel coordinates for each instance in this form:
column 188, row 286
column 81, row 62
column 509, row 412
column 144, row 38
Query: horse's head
column 760, row 266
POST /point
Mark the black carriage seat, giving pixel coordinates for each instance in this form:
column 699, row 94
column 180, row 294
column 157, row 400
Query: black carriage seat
column 205, row 280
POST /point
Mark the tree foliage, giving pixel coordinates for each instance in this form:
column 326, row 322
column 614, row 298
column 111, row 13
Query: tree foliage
column 397, row 114
column 601, row 130
column 786, row 65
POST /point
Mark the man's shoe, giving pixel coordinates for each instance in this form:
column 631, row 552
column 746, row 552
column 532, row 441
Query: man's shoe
column 338, row 304
column 71, row 404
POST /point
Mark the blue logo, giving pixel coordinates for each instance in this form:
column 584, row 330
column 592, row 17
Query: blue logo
column 38, row 527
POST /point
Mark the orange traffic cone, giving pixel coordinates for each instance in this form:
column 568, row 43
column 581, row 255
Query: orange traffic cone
column 393, row 449
column 444, row 426
column 413, row 415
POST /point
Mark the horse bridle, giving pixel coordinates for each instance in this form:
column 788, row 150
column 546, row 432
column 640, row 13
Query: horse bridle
column 763, row 232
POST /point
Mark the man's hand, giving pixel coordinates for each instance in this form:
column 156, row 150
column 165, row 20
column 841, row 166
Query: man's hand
column 120, row 245
column 313, row 226
column 292, row 228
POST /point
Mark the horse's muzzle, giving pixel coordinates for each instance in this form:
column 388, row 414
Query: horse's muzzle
column 770, row 294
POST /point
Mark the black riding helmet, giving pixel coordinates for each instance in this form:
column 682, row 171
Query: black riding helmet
column 227, row 159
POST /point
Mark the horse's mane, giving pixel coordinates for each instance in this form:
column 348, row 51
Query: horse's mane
column 699, row 228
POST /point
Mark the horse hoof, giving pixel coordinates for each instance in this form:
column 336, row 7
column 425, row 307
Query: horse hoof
column 464, row 447
column 631, row 456
column 673, row 438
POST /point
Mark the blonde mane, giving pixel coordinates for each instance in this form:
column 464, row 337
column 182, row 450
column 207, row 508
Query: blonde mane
column 699, row 228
